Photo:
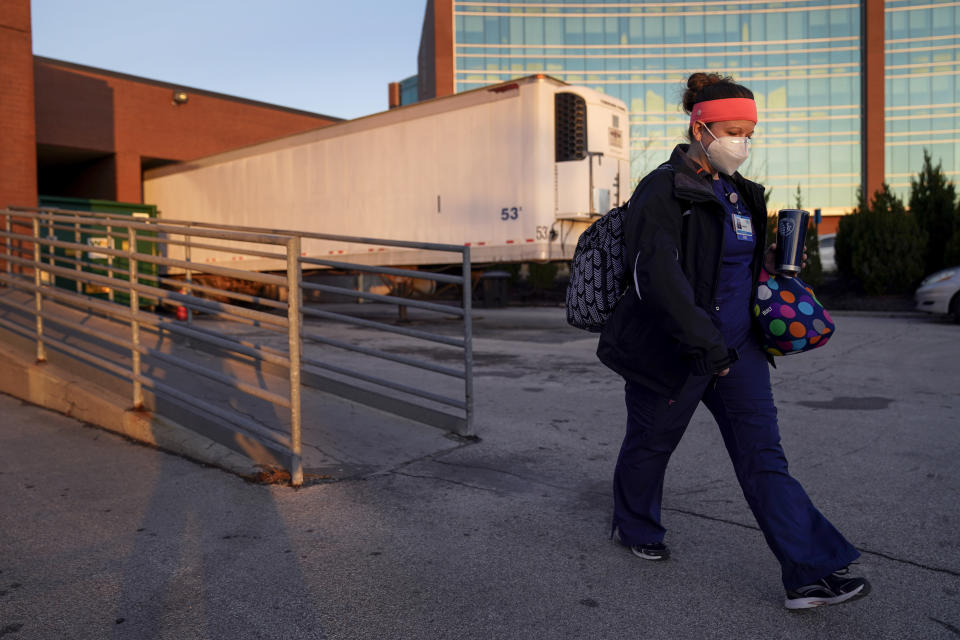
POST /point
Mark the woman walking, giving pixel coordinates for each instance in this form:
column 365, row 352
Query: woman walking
column 694, row 234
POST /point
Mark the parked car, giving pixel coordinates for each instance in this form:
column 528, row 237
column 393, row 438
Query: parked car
column 940, row 293
column 827, row 260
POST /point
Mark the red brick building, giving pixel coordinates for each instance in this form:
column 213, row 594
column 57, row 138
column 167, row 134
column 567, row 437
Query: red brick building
column 72, row 130
column 18, row 162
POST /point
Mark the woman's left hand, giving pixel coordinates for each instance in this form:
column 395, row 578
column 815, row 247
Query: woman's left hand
column 769, row 259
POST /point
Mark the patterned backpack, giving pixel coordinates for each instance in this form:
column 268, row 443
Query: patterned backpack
column 598, row 278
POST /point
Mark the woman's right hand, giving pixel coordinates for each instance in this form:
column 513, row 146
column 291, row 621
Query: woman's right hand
column 769, row 259
column 724, row 372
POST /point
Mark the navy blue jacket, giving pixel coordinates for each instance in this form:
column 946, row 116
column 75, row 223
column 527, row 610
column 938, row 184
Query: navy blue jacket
column 661, row 333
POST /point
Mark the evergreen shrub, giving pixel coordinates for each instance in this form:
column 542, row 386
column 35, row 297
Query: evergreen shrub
column 880, row 246
column 932, row 203
column 951, row 252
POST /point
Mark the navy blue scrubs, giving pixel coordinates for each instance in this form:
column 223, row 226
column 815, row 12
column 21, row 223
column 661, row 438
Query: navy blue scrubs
column 807, row 546
column 731, row 312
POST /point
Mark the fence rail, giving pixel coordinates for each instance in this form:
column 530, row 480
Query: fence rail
column 118, row 268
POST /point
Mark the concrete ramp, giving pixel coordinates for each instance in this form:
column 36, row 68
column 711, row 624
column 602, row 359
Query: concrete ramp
column 341, row 439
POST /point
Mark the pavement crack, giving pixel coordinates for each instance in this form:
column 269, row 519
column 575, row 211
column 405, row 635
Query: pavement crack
column 689, row 492
column 241, row 410
column 515, row 475
column 713, row 518
column 324, row 452
column 447, row 480
column 946, row 625
column 430, row 456
column 879, row 554
column 706, row 486
column 919, row 565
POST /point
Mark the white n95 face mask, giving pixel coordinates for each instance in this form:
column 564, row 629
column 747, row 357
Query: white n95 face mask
column 729, row 152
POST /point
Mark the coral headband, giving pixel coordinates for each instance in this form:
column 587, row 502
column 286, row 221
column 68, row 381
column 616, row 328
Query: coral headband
column 723, row 110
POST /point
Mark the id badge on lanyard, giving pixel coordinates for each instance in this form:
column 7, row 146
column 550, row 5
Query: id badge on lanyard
column 743, row 226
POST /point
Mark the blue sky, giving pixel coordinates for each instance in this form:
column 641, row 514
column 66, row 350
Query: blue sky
column 334, row 58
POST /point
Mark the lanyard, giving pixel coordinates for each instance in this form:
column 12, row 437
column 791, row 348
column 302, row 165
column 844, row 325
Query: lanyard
column 742, row 225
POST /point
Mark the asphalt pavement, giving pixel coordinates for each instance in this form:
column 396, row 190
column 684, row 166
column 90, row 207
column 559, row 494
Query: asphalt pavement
column 507, row 537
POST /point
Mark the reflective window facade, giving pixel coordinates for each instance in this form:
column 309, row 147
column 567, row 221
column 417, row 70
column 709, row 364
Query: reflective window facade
column 409, row 92
column 801, row 58
column 922, row 59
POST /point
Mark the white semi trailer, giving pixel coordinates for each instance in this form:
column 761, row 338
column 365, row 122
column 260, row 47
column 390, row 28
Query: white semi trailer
column 516, row 171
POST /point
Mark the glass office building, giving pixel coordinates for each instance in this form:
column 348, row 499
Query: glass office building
column 408, row 91
column 803, row 59
column 922, row 110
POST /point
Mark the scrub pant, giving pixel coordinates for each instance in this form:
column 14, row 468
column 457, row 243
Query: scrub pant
column 806, row 544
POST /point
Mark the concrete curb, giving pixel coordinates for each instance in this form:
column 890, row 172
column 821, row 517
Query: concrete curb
column 48, row 386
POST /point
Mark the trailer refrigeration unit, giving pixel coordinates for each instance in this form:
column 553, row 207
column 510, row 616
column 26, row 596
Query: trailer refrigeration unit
column 516, row 171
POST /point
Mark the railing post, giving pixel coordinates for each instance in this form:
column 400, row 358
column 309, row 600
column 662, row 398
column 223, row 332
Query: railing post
column 78, row 253
column 189, row 278
column 468, row 339
column 111, row 244
column 51, row 251
column 9, row 244
column 134, row 323
column 294, row 320
column 38, row 295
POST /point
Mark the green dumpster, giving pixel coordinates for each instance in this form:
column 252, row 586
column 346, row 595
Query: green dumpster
column 94, row 237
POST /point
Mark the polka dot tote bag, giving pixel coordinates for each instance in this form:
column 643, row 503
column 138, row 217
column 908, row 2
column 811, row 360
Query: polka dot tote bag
column 792, row 319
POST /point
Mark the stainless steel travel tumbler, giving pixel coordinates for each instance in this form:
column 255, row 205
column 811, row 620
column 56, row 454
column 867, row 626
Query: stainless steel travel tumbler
column 791, row 234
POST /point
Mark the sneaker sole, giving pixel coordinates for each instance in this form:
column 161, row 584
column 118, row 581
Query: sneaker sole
column 646, row 556
column 809, row 603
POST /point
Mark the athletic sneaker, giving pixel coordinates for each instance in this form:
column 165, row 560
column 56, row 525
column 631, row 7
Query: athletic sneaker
column 837, row 587
column 651, row 551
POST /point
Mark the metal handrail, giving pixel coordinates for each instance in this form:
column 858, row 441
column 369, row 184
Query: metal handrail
column 169, row 241
column 390, row 271
column 245, row 423
column 29, row 240
column 217, row 308
column 226, row 272
column 228, row 381
column 309, row 235
column 242, row 347
column 373, row 324
column 396, row 386
column 379, row 297
column 222, row 232
column 384, row 355
column 135, row 283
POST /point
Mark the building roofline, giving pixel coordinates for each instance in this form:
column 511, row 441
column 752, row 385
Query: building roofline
column 173, row 86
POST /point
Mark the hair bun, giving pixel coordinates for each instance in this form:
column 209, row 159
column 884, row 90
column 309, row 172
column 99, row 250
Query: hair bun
column 696, row 83
column 700, row 80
